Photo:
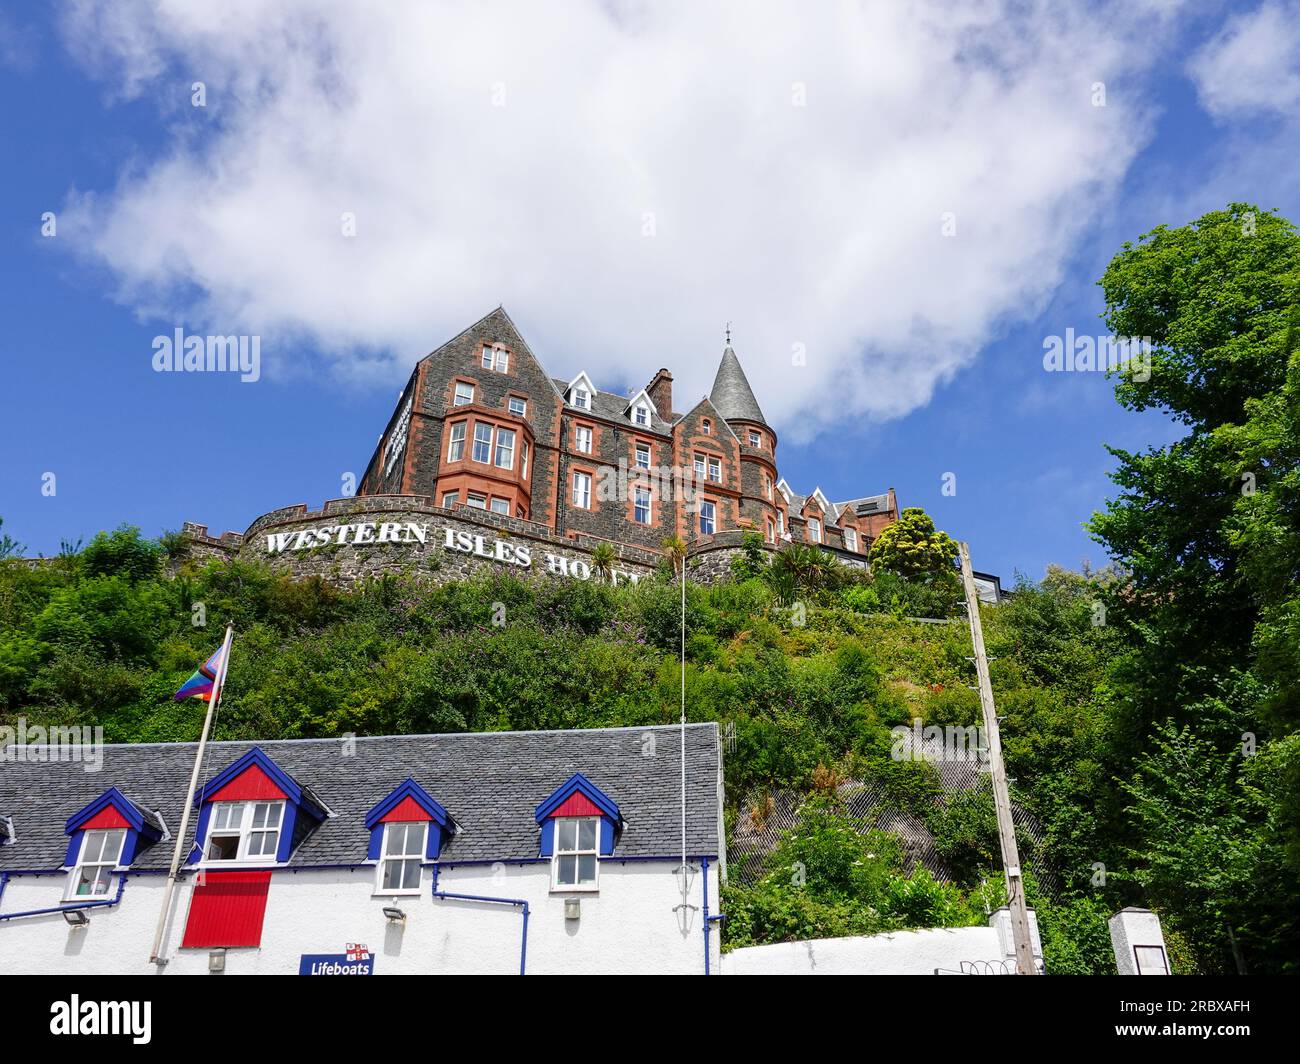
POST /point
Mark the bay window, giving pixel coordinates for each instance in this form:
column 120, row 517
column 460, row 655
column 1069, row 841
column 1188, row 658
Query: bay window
column 456, row 444
column 482, row 443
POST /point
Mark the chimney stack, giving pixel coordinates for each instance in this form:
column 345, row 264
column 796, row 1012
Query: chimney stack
column 660, row 390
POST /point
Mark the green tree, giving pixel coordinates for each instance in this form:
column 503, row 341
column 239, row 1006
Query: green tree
column 912, row 547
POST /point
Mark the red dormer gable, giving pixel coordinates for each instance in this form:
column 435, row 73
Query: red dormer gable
column 407, row 810
column 108, row 817
column 250, row 785
column 577, row 804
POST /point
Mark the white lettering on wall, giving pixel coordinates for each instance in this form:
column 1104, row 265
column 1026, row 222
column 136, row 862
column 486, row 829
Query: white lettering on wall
column 369, row 533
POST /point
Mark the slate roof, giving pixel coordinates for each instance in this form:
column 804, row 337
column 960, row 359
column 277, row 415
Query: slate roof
column 870, row 504
column 731, row 392
column 489, row 782
column 613, row 407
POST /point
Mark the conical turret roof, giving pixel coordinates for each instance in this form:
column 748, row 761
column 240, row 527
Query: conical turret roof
column 731, row 395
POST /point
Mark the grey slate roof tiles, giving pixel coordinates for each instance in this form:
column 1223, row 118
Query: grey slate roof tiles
column 489, row 782
column 731, row 394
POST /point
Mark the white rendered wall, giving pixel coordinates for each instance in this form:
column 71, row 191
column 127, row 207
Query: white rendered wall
column 898, row 953
column 627, row 927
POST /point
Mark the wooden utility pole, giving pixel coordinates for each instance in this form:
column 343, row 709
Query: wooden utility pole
column 1001, row 797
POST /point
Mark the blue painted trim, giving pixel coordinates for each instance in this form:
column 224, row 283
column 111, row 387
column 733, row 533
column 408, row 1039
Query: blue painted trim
column 517, row 902
column 200, row 834
column 607, row 827
column 376, row 842
column 579, row 782
column 292, row 789
column 129, row 810
column 548, row 838
column 287, row 824
column 409, row 789
column 121, row 886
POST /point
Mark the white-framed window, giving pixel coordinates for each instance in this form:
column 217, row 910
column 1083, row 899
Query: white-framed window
column 582, row 398
column 755, row 440
column 479, row 502
column 641, row 414
column 505, row 454
column 403, row 851
column 699, row 467
column 456, row 442
column 850, row 539
column 715, row 470
column 450, row 498
column 497, row 358
column 582, row 490
column 482, row 443
column 464, row 393
column 780, row 522
column 707, row 426
column 575, row 865
column 771, row 531
column 641, row 506
column 643, row 456
column 100, row 852
column 523, row 460
column 814, row 530
column 708, row 518
column 244, row 831
column 767, row 487
column 500, row 506
column 517, row 406
column 582, row 439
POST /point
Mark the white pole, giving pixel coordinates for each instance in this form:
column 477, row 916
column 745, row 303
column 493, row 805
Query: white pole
column 170, row 886
column 683, row 731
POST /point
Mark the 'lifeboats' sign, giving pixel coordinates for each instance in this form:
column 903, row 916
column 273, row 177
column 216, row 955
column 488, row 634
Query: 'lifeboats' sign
column 369, row 533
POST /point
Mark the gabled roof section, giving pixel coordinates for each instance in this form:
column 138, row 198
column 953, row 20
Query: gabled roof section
column 642, row 394
column 410, row 791
column 256, row 761
column 582, row 376
column 731, row 393
column 707, row 403
column 578, row 784
column 505, row 323
column 134, row 816
column 822, row 501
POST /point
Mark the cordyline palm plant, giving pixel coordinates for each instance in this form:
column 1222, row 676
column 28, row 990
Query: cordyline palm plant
column 603, row 557
column 675, row 549
column 808, row 567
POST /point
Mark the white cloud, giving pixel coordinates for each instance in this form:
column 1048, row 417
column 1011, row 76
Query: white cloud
column 817, row 225
column 1252, row 65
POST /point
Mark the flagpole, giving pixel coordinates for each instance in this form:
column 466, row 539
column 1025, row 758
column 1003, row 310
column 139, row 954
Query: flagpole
column 170, row 886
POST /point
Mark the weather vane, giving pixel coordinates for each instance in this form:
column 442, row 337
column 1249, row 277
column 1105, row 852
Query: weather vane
column 728, row 334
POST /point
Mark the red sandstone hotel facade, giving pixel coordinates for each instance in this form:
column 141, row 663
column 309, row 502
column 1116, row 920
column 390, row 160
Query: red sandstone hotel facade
column 482, row 424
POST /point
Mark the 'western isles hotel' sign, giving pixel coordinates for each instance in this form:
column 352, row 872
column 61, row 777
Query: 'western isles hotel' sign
column 369, row 533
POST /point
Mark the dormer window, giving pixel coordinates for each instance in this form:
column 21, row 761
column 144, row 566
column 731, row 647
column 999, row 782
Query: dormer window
column 641, row 414
column 106, row 835
column 100, row 853
column 582, row 398
column 407, row 830
column 399, row 870
column 814, row 530
column 574, row 865
column 579, row 824
column 244, row 831
column 850, row 539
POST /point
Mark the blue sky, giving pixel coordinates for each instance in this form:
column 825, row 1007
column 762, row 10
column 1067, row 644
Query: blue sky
column 624, row 186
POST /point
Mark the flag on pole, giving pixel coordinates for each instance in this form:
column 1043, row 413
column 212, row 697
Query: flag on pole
column 201, row 684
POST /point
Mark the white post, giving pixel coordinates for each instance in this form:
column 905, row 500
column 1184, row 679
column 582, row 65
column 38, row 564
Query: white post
column 170, row 885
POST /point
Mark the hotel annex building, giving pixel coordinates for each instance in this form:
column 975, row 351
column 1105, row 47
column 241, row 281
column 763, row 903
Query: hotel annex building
column 482, row 424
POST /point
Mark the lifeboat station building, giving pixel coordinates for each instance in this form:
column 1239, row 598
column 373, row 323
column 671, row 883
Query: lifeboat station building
column 508, row 852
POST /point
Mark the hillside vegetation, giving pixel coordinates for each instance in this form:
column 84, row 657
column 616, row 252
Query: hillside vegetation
column 104, row 637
